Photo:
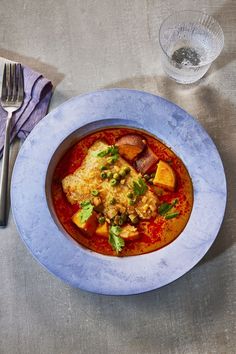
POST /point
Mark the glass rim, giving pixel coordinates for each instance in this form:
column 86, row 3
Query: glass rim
column 193, row 12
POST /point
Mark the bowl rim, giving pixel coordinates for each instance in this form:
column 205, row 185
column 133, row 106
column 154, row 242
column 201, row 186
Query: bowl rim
column 106, row 274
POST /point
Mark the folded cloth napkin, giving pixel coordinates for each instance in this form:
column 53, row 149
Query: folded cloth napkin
column 38, row 92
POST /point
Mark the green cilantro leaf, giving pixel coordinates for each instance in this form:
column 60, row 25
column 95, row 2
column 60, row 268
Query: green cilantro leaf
column 165, row 207
column 115, row 241
column 111, row 150
column 171, row 215
column 103, row 153
column 86, row 211
column 85, row 203
column 112, row 159
column 139, row 187
column 115, row 230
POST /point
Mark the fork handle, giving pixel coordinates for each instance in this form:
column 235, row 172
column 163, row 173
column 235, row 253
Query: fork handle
column 4, row 173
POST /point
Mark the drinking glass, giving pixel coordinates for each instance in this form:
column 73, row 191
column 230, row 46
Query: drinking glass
column 190, row 42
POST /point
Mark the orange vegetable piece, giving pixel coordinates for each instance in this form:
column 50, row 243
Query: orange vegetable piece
column 165, row 176
column 102, row 230
column 89, row 226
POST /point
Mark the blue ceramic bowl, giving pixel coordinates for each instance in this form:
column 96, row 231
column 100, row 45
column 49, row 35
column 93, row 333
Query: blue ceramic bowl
column 58, row 252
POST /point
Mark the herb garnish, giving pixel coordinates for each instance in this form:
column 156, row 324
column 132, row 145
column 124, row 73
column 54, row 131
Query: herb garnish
column 112, row 159
column 86, row 211
column 165, row 207
column 85, row 203
column 111, row 150
column 171, row 215
column 115, row 241
column 139, row 187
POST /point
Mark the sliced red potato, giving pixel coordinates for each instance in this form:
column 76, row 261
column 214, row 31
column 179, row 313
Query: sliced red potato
column 103, row 230
column 89, row 226
column 129, row 232
column 165, row 176
column 146, row 160
column 130, row 146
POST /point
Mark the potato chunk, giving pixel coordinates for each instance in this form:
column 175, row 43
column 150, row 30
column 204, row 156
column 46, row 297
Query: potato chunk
column 165, row 176
column 102, row 230
column 130, row 146
column 89, row 226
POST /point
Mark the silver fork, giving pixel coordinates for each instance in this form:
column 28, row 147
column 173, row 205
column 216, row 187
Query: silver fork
column 11, row 100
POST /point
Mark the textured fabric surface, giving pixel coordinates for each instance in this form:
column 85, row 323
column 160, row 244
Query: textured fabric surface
column 86, row 45
column 38, row 91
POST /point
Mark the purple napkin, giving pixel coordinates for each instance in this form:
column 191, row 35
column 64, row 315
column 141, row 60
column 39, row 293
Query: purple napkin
column 38, row 92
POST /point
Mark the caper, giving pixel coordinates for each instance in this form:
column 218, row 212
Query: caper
column 109, row 174
column 103, row 175
column 121, row 221
column 113, row 182
column 118, row 220
column 113, row 201
column 103, row 168
column 146, row 176
column 127, row 169
column 101, row 220
column 152, row 175
column 95, row 192
column 130, row 195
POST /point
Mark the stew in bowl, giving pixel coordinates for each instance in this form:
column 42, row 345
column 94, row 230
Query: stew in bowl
column 122, row 192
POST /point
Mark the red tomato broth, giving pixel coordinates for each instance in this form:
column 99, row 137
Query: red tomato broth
column 154, row 233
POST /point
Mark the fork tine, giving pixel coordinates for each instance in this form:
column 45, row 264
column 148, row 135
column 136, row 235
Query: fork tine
column 4, row 85
column 20, row 95
column 8, row 81
column 14, row 82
